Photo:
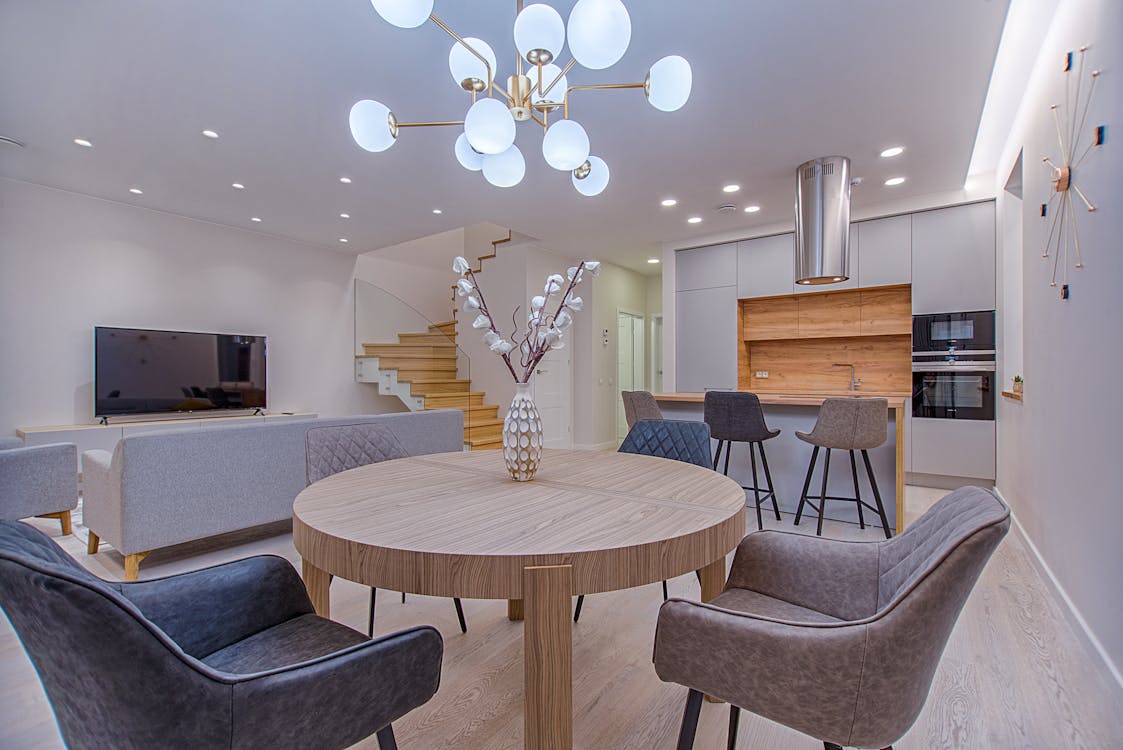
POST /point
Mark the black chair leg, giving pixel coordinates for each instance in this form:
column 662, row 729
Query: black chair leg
column 734, row 720
column 370, row 615
column 460, row 615
column 857, row 492
column 403, row 597
column 806, row 485
column 386, row 738
column 876, row 495
column 665, row 596
column 768, row 477
column 823, row 493
column 581, row 600
column 717, row 454
column 689, row 721
column 756, row 487
column 728, row 450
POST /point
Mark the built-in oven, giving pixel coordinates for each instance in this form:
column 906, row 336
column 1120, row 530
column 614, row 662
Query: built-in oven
column 953, row 365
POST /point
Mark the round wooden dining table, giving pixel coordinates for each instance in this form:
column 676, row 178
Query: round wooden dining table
column 456, row 525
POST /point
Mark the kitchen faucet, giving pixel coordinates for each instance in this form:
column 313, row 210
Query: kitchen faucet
column 854, row 381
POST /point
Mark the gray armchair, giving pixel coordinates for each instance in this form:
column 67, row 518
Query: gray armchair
column 38, row 481
column 230, row 656
column 838, row 640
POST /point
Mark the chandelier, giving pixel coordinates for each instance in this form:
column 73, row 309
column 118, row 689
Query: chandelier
column 598, row 31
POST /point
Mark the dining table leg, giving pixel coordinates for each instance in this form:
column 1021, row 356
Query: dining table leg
column 548, row 657
column 318, row 583
column 515, row 610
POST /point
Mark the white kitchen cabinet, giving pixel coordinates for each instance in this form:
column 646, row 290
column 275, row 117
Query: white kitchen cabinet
column 766, row 266
column 953, row 259
column 706, row 345
column 886, row 251
column 953, row 447
column 706, row 267
column 850, row 283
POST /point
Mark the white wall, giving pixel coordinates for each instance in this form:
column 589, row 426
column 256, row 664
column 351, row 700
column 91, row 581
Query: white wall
column 69, row 262
column 1059, row 450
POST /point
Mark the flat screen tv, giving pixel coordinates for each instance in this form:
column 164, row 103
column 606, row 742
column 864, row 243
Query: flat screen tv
column 142, row 371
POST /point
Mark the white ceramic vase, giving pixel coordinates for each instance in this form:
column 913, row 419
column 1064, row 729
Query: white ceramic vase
column 522, row 436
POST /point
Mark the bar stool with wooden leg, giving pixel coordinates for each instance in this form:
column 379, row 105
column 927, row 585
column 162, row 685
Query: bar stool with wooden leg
column 849, row 424
column 736, row 417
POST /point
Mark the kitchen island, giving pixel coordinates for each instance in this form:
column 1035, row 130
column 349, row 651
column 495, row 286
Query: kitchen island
column 788, row 456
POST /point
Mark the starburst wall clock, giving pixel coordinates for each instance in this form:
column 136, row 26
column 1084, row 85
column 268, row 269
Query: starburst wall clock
column 1070, row 118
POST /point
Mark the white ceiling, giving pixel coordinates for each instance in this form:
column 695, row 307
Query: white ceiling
column 775, row 83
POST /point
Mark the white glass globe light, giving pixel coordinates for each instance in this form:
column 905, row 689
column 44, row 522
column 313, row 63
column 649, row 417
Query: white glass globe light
column 549, row 73
column 371, row 125
column 468, row 157
column 489, row 127
column 505, row 169
column 668, row 83
column 463, row 64
column 599, row 32
column 565, row 145
column 596, row 181
column 405, row 14
column 538, row 27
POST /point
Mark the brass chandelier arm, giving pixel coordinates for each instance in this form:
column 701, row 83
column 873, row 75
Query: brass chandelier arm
column 429, row 124
column 543, row 91
column 460, row 40
column 596, row 87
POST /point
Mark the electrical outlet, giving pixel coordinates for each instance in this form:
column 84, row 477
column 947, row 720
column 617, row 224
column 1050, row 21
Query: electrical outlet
column 762, row 373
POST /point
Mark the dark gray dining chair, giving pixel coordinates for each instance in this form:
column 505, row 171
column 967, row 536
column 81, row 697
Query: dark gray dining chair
column 639, row 405
column 231, row 656
column 849, row 424
column 838, row 640
column 665, row 438
column 737, row 417
column 338, row 448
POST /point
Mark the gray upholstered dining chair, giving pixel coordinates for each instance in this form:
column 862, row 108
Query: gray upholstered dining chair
column 678, row 440
column 737, row 417
column 230, row 656
column 341, row 447
column 838, row 640
column 639, row 405
column 39, row 480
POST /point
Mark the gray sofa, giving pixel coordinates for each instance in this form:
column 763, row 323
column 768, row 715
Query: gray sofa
column 165, row 488
column 38, row 481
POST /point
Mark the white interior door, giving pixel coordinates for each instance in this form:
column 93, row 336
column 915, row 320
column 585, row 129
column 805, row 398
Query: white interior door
column 553, row 395
column 657, row 354
column 629, row 363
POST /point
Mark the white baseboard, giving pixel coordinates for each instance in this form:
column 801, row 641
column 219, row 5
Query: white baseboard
column 609, row 446
column 1079, row 618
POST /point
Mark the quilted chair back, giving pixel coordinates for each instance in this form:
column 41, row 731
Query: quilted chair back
column 639, row 405
column 348, row 446
column 670, row 438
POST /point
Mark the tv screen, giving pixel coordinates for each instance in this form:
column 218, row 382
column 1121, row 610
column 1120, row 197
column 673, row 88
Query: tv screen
column 141, row 371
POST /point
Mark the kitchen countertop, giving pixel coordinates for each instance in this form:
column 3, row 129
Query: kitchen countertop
column 793, row 399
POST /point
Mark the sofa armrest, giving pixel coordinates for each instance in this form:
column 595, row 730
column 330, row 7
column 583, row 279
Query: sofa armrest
column 339, row 699
column 792, row 673
column 830, row 576
column 37, row 480
column 209, row 609
column 101, row 496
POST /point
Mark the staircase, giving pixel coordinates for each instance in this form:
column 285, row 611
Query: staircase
column 421, row 370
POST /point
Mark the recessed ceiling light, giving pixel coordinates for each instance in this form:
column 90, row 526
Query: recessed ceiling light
column 894, row 181
column 210, row 134
column 136, row 191
column 345, row 180
column 345, row 216
column 83, row 142
column 752, row 209
column 343, row 239
column 652, row 260
column 254, row 218
column 731, row 188
column 237, row 186
column 892, row 151
column 437, row 211
column 694, row 220
column 668, row 202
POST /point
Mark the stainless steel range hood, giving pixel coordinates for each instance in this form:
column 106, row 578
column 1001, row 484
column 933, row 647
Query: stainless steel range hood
column 822, row 221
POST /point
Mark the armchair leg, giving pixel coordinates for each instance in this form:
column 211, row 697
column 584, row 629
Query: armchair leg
column 689, row 721
column 665, row 595
column 386, row 738
column 132, row 565
column 64, row 519
column 370, row 616
column 460, row 615
column 734, row 720
column 93, row 544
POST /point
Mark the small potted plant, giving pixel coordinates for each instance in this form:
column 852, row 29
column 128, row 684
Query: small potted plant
column 1018, row 384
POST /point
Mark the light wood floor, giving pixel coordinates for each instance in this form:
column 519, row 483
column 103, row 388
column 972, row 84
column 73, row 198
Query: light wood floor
column 1016, row 673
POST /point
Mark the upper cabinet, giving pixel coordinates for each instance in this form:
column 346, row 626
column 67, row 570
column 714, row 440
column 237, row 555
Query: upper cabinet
column 855, row 267
column 706, row 267
column 706, row 347
column 953, row 259
column 766, row 266
column 886, row 251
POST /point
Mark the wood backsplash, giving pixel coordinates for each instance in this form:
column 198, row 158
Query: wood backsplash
column 884, row 363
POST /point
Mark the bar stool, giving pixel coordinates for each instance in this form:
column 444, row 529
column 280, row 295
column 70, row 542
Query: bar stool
column 736, row 417
column 848, row 424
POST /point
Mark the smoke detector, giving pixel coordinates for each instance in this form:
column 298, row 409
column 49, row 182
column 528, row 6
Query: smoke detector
column 726, row 208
